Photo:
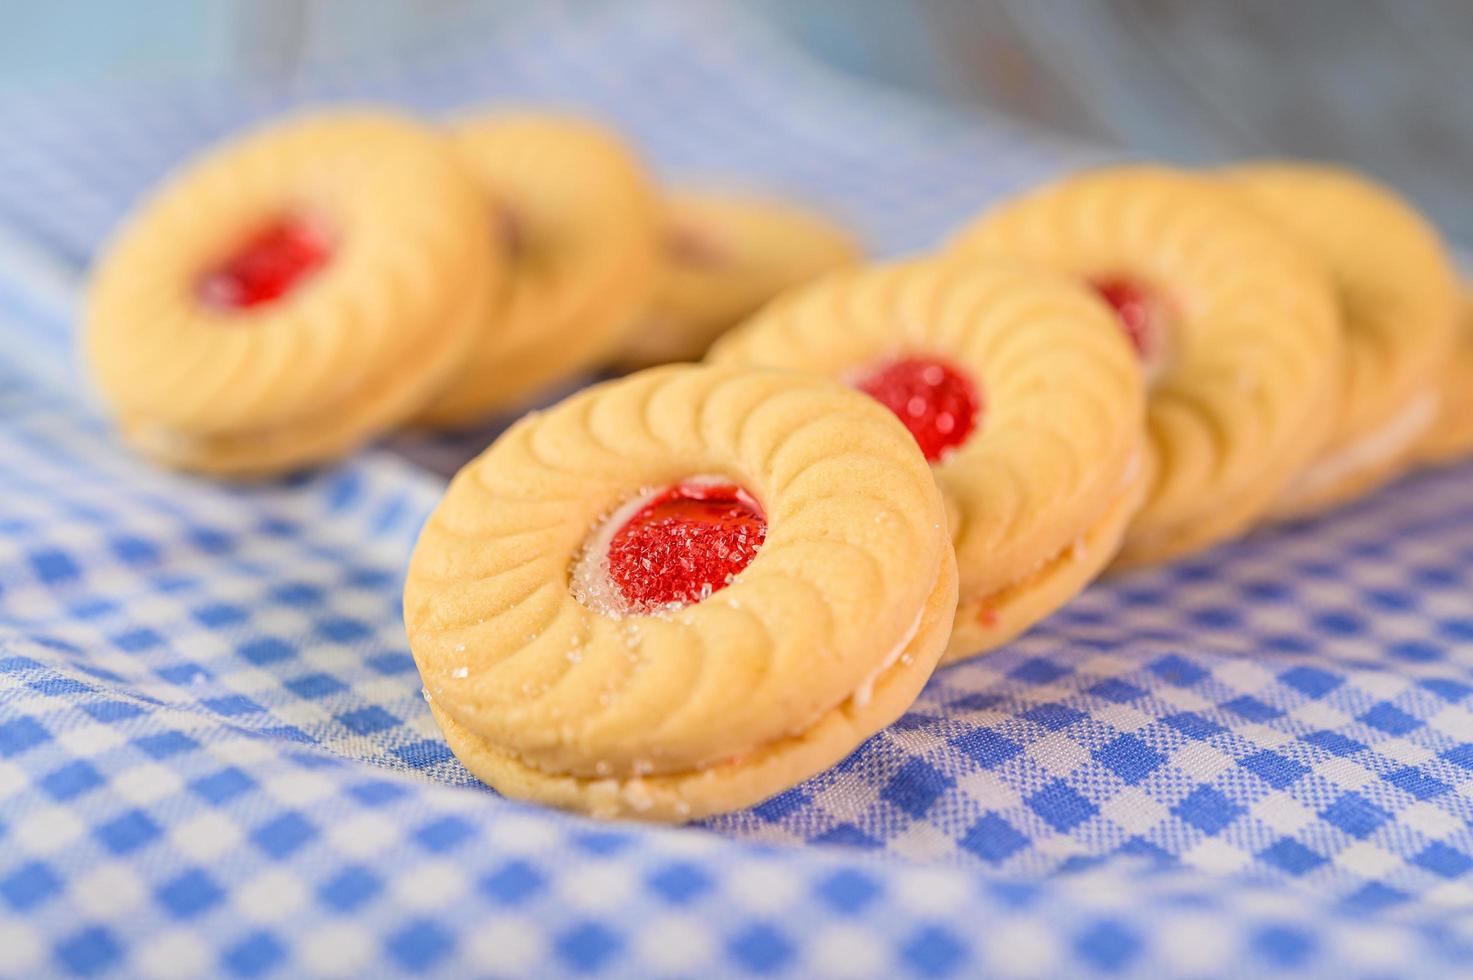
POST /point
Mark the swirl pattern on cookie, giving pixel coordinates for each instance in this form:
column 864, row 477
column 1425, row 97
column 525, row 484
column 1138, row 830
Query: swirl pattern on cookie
column 290, row 294
column 1398, row 302
column 578, row 219
column 552, row 683
column 1018, row 386
column 1235, row 325
column 1451, row 436
column 724, row 256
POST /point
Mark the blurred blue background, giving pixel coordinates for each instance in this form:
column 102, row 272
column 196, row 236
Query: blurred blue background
column 1385, row 85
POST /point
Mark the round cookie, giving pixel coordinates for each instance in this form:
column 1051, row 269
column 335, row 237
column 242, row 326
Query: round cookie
column 1235, row 327
column 680, row 592
column 290, row 294
column 1451, row 437
column 1398, row 303
column 724, row 256
column 1018, row 388
column 579, row 221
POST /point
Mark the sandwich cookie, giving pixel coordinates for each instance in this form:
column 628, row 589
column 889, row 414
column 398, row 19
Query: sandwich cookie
column 678, row 593
column 577, row 217
column 290, row 294
column 724, row 256
column 1018, row 389
column 1234, row 326
column 1398, row 303
column 1451, row 436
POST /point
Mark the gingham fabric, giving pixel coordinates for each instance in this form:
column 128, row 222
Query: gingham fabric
column 215, row 759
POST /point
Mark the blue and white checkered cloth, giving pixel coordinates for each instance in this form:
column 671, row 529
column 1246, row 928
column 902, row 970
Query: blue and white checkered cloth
column 214, row 756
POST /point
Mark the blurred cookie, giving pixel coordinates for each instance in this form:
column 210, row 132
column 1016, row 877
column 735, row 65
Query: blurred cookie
column 577, row 218
column 1234, row 325
column 681, row 592
column 724, row 256
column 1017, row 387
column 1398, row 303
column 290, row 294
column 1451, row 437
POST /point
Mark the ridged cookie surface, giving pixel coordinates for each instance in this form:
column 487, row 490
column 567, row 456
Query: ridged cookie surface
column 354, row 348
column 1053, row 458
column 1398, row 300
column 578, row 219
column 724, row 256
column 824, row 637
column 1244, row 380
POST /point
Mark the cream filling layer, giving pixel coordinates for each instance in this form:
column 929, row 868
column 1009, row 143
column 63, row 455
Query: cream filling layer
column 1381, row 445
column 864, row 692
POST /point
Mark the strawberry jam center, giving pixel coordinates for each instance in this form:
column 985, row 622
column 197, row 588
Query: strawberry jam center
column 690, row 246
column 267, row 266
column 686, row 543
column 512, row 232
column 1139, row 311
column 937, row 403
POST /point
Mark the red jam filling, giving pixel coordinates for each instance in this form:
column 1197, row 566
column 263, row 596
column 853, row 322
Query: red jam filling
column 686, row 245
column 685, row 544
column 267, row 266
column 1139, row 311
column 512, row 232
column 937, row 403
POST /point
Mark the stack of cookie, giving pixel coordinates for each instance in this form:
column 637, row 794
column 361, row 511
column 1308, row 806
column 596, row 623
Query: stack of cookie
column 294, row 293
column 680, row 592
